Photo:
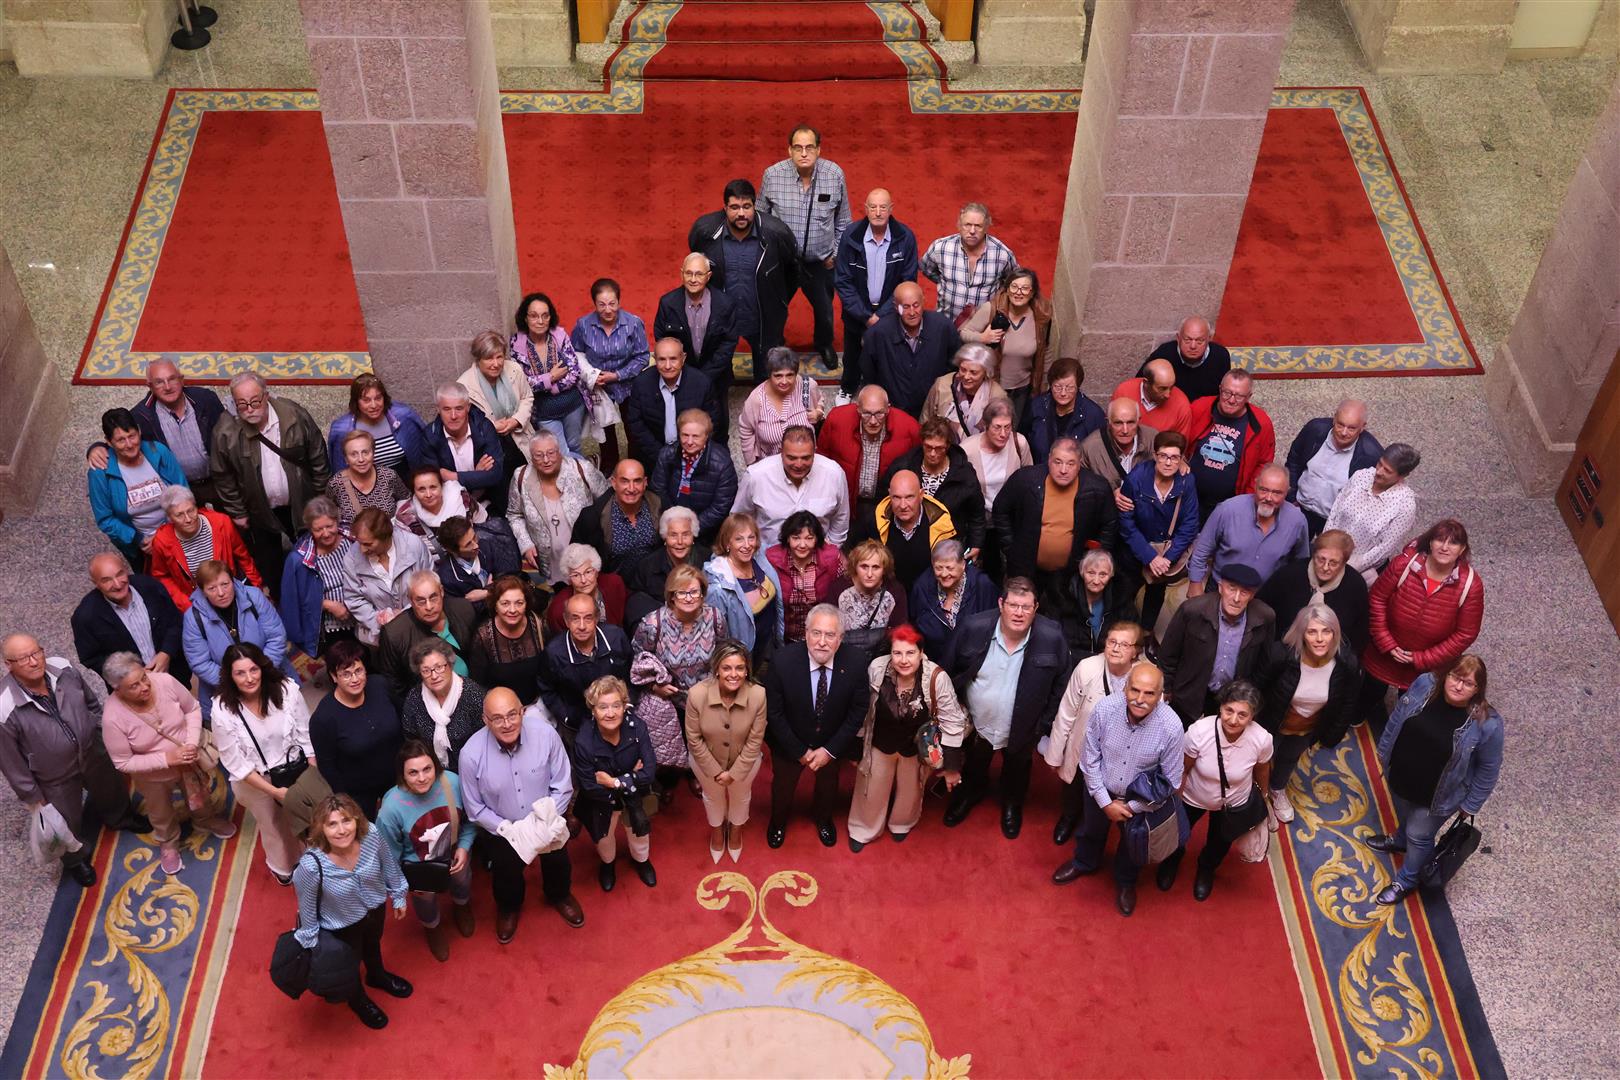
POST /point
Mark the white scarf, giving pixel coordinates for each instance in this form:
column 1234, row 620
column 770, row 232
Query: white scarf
column 440, row 715
column 1320, row 589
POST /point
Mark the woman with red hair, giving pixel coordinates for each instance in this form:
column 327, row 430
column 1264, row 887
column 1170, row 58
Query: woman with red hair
column 908, row 691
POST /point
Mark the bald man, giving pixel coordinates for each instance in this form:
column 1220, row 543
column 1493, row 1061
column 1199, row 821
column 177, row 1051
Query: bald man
column 875, row 256
column 1198, row 361
column 1160, row 403
column 1325, row 454
column 128, row 612
column 909, row 348
column 909, row 524
column 704, row 320
column 864, row 438
column 1119, row 446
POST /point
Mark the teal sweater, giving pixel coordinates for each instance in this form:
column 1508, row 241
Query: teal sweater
column 406, row 817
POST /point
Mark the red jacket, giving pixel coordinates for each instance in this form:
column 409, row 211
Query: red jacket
column 1259, row 442
column 1435, row 628
column 167, row 560
column 841, row 441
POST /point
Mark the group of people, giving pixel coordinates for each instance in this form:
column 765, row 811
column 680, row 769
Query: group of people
column 963, row 562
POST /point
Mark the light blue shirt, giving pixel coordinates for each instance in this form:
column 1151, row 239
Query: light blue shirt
column 1117, row 747
column 667, row 392
column 877, row 264
column 990, row 697
column 138, row 621
column 499, row 785
column 1228, row 640
column 344, row 897
column 1230, row 535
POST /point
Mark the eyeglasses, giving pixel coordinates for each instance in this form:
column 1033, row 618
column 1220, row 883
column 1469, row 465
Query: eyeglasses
column 874, row 414
column 809, row 149
column 26, row 657
column 250, row 403
column 434, row 669
column 689, row 594
column 1017, row 606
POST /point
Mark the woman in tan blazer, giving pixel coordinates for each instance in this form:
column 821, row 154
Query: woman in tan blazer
column 725, row 729
column 499, row 388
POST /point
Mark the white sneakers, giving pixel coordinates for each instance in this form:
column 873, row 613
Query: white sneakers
column 843, row 399
column 1281, row 807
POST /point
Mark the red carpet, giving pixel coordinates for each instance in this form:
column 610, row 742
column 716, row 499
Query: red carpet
column 1309, row 233
column 773, row 42
column 255, row 259
column 960, row 920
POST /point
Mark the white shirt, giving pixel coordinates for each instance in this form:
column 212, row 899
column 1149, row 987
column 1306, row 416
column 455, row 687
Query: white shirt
column 1202, row 786
column 272, row 470
column 1312, row 692
column 277, row 733
column 461, row 450
column 1380, row 524
column 764, row 491
column 1324, row 476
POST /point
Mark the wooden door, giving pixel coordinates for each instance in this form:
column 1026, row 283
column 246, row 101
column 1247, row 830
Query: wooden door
column 1589, row 496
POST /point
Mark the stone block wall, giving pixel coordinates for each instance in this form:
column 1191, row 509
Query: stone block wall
column 1031, row 33
column 1432, row 37
column 124, row 38
column 532, row 33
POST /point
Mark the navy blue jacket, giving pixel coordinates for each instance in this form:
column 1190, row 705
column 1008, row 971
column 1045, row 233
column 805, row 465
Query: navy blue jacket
column 565, row 673
column 497, row 554
column 979, row 593
column 98, row 632
column 719, row 337
column 1041, row 680
column 205, row 401
column 643, row 409
column 436, row 451
column 849, row 268
column 908, row 376
column 1043, row 426
column 1149, row 520
column 1310, row 439
column 714, row 486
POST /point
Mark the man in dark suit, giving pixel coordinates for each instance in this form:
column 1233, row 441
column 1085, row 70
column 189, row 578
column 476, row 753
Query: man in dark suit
column 816, row 693
column 705, row 322
column 659, row 395
column 1010, row 667
column 128, row 612
column 432, row 615
column 1195, row 664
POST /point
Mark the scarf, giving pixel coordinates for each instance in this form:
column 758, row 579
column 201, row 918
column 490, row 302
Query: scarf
column 1320, row 589
column 970, row 411
column 951, row 602
column 441, row 714
column 502, row 402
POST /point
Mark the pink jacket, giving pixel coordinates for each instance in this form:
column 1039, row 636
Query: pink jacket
column 132, row 744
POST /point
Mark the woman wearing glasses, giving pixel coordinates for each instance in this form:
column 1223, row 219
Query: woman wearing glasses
column 446, row 710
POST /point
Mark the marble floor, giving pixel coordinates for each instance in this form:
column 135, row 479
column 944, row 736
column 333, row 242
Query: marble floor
column 1485, row 160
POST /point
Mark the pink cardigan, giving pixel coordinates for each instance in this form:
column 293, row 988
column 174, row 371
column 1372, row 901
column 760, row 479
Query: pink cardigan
column 132, row 744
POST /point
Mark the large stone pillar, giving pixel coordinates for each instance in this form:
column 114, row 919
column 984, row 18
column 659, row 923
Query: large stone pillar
column 127, row 38
column 532, row 33
column 413, row 123
column 1541, row 383
column 1174, row 103
column 1433, row 37
column 1031, row 33
column 33, row 399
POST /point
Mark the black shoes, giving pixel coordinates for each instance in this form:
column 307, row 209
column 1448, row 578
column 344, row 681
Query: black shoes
column 957, row 811
column 368, row 1012
column 390, row 984
column 81, row 872
column 607, row 876
column 855, row 845
column 1012, row 821
column 1386, row 843
column 1126, row 900
column 1392, row 894
column 1069, row 872
column 775, row 835
column 644, row 871
column 1165, row 876
column 1202, row 884
column 1063, row 831
column 827, row 832
column 137, row 823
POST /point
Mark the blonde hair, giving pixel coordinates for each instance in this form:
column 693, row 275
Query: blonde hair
column 869, row 549
column 607, row 684
column 1295, row 638
column 681, row 575
column 336, row 804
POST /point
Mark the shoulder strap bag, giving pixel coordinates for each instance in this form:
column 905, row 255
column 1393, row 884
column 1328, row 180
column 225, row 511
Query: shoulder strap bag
column 287, row 773
column 930, row 742
column 1234, row 821
column 433, row 875
column 1178, row 569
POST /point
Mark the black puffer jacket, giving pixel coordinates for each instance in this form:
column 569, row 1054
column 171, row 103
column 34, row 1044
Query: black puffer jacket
column 714, row 486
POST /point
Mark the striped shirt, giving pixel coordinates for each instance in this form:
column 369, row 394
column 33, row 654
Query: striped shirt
column 345, row 895
column 386, row 451
column 184, row 437
column 200, row 548
column 817, row 216
column 946, row 265
column 330, row 569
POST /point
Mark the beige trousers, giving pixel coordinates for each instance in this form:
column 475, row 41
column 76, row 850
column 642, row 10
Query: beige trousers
column 887, row 773
column 281, row 847
column 608, row 849
column 727, row 803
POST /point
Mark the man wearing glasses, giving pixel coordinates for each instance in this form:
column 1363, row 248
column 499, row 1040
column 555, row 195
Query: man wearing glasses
column 864, row 438
column 432, row 615
column 180, row 417
column 1228, row 441
column 807, row 194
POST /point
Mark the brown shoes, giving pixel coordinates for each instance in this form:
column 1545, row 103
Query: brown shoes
column 462, row 913
column 570, row 911
column 438, row 942
column 505, row 926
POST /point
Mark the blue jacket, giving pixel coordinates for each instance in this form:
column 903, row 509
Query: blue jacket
column 409, row 431
column 849, row 268
column 1310, row 439
column 726, row 594
column 978, row 594
column 436, row 451
column 206, row 637
column 714, row 486
column 908, row 376
column 1042, row 426
column 109, row 498
column 1150, row 520
column 302, row 593
column 1476, row 751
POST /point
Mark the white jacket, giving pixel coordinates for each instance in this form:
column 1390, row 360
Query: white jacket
column 1086, row 688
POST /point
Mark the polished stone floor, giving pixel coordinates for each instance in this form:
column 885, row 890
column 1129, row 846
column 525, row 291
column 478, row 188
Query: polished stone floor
column 1485, row 160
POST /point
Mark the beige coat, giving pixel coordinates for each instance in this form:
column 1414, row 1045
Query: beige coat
column 518, row 383
column 940, row 403
column 1097, row 455
column 1016, row 453
column 953, row 720
column 1084, row 691
column 725, row 739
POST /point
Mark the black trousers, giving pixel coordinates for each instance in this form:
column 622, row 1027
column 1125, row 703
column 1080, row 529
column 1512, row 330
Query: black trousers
column 816, row 282
column 268, row 546
column 1215, row 847
column 1073, row 796
column 1370, row 706
column 1314, row 522
column 976, row 771
column 854, row 335
column 507, row 873
column 1092, row 838
column 1285, row 755
column 785, row 774
column 365, row 937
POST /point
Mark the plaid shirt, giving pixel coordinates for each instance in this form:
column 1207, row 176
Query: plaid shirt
column 946, row 265
column 871, row 455
column 803, row 212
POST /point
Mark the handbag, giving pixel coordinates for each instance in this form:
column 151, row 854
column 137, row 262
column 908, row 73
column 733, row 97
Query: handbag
column 1234, row 821
column 433, row 875
column 196, row 779
column 1460, row 840
column 930, row 739
column 1178, row 569
column 287, row 773
column 329, row 969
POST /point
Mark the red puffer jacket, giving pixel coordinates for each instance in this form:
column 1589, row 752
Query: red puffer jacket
column 1435, row 628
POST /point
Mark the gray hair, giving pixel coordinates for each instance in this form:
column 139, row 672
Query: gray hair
column 426, row 648
column 162, row 361
column 1402, row 457
column 974, row 208
column 829, row 610
column 707, row 262
column 1096, row 556
column 998, row 409
column 176, row 496
column 1295, row 638
column 452, row 392
column 544, row 435
column 1064, row 442
column 112, row 553
column 669, row 517
column 781, row 358
column 950, row 550
column 975, row 353
column 577, row 555
column 1241, row 692
column 117, row 667
column 419, row 576
column 247, row 377
column 318, row 507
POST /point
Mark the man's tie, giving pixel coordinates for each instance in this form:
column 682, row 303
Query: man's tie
column 821, row 691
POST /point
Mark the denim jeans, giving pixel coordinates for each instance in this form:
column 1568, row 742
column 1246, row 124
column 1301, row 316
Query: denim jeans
column 1416, row 837
column 567, row 429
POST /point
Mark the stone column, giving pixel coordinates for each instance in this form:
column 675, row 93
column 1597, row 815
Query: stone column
column 413, row 123
column 1031, row 33
column 532, row 33
column 33, row 399
column 1541, row 383
column 1174, row 102
column 1432, row 37
column 128, row 38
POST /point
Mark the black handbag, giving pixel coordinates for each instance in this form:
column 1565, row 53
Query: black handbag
column 433, row 875
column 331, row 969
column 1460, row 840
column 287, row 773
column 1233, row 822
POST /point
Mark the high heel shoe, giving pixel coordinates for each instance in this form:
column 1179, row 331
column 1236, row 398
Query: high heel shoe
column 716, row 852
column 734, row 852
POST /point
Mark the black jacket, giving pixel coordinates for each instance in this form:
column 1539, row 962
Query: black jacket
column 719, row 337
column 644, row 407
column 1187, row 654
column 1015, row 520
column 849, row 268
column 1041, row 680
column 1043, row 426
column 1278, row 678
column 1116, row 602
column 775, row 277
column 714, row 486
column 402, row 634
column 906, row 375
column 98, row 633
column 959, row 492
column 791, row 726
column 1288, row 590
column 205, row 401
column 1365, row 455
column 565, row 673
column 497, row 554
column 1196, row 382
column 591, row 528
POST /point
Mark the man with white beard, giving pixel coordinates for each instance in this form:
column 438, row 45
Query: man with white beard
column 1263, row 531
